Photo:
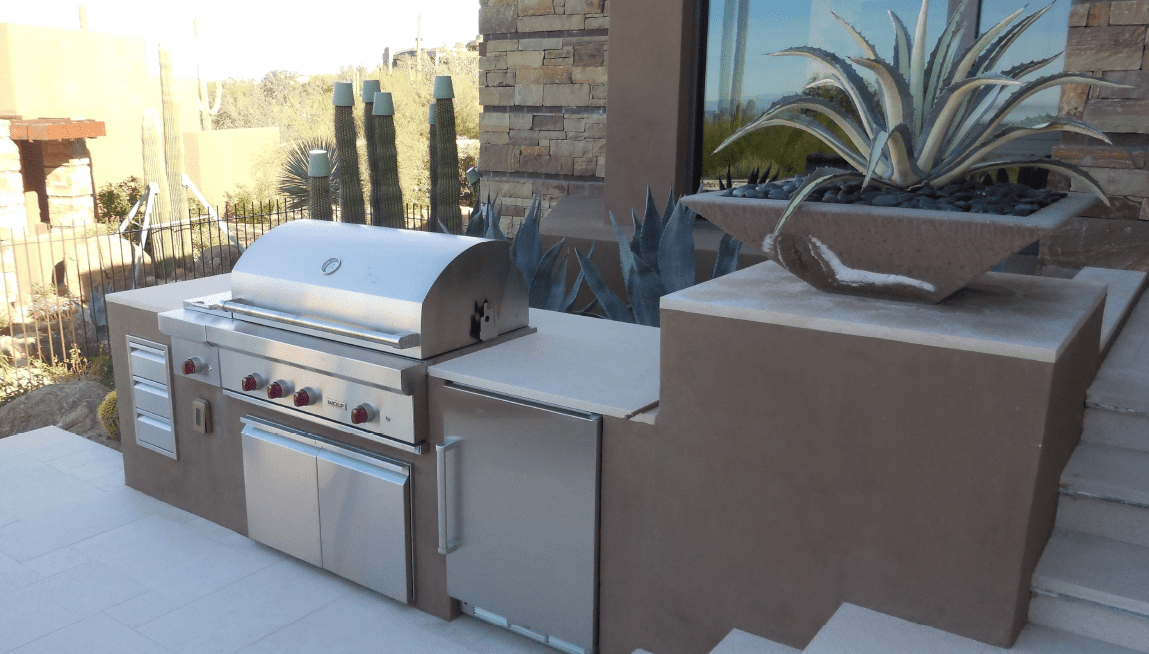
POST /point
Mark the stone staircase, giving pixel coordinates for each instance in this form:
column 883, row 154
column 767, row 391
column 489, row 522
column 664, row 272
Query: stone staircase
column 1091, row 586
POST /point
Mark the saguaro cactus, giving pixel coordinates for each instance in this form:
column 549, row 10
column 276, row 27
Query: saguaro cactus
column 385, row 185
column 173, row 138
column 318, row 185
column 154, row 169
column 370, row 88
column 433, row 158
column 446, row 188
column 206, row 109
column 351, row 207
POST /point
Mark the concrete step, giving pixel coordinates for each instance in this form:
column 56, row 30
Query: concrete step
column 1104, row 427
column 1121, row 384
column 1124, row 290
column 1119, row 521
column 741, row 642
column 1094, row 586
column 855, row 630
column 1106, row 472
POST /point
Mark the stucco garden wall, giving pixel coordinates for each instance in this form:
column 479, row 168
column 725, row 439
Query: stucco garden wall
column 219, row 160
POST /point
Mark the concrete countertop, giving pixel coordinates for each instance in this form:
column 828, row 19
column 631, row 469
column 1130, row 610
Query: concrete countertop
column 575, row 362
column 171, row 296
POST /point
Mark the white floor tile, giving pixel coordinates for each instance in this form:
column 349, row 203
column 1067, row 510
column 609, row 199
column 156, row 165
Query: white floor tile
column 142, row 609
column 169, row 558
column 230, row 538
column 43, row 443
column 5, row 518
column 109, row 480
column 97, row 634
column 14, row 575
column 65, row 443
column 31, row 487
column 49, row 531
column 356, row 624
column 503, row 641
column 90, row 463
column 44, row 606
column 248, row 610
column 56, row 561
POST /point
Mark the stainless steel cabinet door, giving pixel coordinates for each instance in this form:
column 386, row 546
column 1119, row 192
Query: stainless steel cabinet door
column 521, row 494
column 282, row 493
column 364, row 528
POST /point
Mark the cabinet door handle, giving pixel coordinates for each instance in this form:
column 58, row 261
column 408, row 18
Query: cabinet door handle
column 446, row 543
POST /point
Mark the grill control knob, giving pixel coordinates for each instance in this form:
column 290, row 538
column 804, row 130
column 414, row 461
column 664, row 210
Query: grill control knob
column 252, row 382
column 279, row 389
column 362, row 414
column 193, row 365
column 306, row 396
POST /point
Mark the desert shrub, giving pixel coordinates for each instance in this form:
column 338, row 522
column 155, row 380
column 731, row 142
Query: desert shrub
column 109, row 415
column 114, row 201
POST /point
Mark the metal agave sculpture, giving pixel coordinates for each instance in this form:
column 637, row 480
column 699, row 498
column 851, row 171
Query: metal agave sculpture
column 937, row 119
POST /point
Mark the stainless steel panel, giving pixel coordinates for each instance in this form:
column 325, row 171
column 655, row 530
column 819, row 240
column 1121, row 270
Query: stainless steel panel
column 148, row 360
column 183, row 349
column 525, row 481
column 395, row 414
column 282, row 492
column 365, row 528
column 156, row 434
column 151, row 397
column 382, row 279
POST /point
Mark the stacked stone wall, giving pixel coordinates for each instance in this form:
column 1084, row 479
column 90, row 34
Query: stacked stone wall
column 542, row 85
column 1109, row 39
column 13, row 215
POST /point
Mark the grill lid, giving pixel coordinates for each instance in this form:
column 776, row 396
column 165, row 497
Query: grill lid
column 417, row 294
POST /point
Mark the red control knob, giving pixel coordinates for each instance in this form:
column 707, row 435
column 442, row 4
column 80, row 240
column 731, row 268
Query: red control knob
column 306, row 396
column 252, row 382
column 278, row 389
column 193, row 365
column 362, row 414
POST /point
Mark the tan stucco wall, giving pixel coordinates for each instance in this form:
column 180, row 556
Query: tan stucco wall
column 47, row 72
column 219, row 160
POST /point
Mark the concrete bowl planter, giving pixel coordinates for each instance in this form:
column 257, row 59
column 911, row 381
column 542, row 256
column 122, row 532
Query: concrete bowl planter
column 915, row 255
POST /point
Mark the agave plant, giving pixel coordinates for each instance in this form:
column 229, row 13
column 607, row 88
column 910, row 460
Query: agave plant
column 937, row 119
column 292, row 182
column 659, row 259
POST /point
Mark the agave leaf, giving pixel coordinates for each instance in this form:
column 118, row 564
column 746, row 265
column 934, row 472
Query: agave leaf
column 811, row 126
column 906, row 171
column 849, row 79
column 589, row 306
column 875, row 155
column 814, row 181
column 896, row 97
column 1029, row 67
column 612, row 307
column 528, row 248
column 867, row 47
column 1077, row 173
column 988, row 59
column 966, row 61
column 477, row 225
column 651, row 233
column 643, row 285
column 901, row 45
column 494, row 231
column 792, row 103
column 540, row 286
column 941, row 56
column 670, row 203
column 558, row 285
column 727, row 260
column 917, row 76
column 569, row 300
column 676, row 250
column 1035, row 125
column 943, row 112
column 636, row 235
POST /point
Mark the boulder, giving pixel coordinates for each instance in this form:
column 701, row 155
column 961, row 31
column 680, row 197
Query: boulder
column 71, row 406
column 215, row 260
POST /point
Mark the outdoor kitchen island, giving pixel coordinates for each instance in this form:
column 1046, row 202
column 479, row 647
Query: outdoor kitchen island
column 597, row 377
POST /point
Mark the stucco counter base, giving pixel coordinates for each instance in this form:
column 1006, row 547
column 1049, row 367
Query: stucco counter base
column 814, row 449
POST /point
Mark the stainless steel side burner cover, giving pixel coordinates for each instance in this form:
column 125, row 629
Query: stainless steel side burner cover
column 441, row 292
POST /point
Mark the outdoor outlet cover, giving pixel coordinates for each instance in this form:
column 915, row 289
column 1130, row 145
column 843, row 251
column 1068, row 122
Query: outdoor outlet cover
column 201, row 416
column 383, row 106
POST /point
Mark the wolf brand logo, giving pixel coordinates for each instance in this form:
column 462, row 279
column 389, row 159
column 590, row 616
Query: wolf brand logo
column 331, row 265
column 336, row 403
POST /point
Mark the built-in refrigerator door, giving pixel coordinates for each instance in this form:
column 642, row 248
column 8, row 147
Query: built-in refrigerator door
column 518, row 513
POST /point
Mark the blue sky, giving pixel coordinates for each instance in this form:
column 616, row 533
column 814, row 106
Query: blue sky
column 247, row 38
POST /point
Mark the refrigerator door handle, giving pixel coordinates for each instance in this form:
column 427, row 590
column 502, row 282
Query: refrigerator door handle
column 446, row 543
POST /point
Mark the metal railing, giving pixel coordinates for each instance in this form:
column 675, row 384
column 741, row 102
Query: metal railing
column 54, row 284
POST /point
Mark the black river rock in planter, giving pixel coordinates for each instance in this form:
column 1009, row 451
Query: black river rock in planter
column 896, row 253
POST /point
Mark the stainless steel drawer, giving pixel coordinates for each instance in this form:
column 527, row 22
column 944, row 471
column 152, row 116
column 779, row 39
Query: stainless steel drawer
column 150, row 363
column 156, row 434
column 152, row 398
column 282, row 494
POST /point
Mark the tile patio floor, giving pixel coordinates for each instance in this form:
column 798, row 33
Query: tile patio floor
column 89, row 565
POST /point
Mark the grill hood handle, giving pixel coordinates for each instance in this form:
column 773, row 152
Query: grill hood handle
column 399, row 341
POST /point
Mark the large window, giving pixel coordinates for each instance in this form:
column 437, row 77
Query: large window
column 741, row 80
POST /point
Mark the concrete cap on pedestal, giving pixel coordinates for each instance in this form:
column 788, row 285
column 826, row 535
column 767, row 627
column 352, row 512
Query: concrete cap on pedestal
column 383, row 105
column 344, row 95
column 370, row 88
column 317, row 164
column 444, row 89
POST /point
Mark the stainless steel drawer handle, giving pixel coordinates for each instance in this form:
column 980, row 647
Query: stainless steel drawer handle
column 446, row 543
column 400, row 341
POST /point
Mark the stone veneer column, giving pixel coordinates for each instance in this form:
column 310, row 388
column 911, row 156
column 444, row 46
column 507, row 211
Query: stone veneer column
column 68, row 171
column 542, row 84
column 13, row 218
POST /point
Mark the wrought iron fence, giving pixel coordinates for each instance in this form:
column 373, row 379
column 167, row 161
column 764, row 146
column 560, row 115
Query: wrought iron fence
column 53, row 315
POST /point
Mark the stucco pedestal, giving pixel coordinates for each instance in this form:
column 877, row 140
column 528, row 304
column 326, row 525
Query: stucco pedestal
column 813, row 449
